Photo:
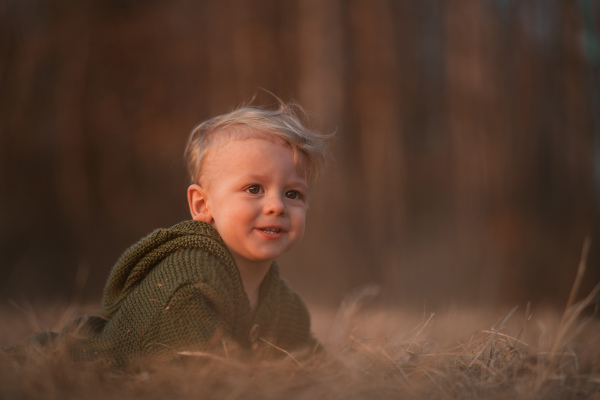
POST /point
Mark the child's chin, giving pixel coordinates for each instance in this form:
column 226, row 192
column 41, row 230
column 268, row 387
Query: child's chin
column 268, row 255
column 271, row 250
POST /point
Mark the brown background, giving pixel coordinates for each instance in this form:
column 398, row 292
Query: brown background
column 467, row 134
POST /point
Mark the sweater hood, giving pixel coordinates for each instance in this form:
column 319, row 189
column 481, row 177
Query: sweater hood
column 135, row 264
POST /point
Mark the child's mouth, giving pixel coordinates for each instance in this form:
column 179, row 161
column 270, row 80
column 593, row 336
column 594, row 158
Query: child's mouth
column 271, row 231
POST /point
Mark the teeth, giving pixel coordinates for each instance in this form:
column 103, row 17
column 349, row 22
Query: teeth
column 271, row 230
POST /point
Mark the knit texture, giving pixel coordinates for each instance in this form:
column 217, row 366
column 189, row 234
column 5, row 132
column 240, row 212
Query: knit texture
column 179, row 289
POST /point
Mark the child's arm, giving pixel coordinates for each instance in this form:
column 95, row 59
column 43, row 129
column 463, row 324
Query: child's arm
column 180, row 305
column 194, row 319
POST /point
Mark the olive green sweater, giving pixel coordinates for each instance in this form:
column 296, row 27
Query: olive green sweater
column 179, row 290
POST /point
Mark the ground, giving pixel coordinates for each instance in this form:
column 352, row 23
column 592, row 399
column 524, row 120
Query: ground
column 369, row 353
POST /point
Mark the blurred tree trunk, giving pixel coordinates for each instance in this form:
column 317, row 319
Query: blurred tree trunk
column 464, row 153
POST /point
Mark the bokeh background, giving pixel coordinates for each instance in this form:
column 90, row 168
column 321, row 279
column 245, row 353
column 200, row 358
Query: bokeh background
column 466, row 160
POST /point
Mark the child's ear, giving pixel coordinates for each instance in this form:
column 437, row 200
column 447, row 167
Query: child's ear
column 198, row 204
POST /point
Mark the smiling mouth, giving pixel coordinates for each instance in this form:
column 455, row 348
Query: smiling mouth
column 271, row 231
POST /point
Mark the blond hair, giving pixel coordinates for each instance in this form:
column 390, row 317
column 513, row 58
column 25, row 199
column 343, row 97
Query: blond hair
column 283, row 124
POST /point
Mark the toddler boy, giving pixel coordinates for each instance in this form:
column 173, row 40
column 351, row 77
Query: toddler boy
column 212, row 282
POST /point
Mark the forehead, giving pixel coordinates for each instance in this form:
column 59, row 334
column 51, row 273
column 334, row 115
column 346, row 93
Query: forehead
column 245, row 151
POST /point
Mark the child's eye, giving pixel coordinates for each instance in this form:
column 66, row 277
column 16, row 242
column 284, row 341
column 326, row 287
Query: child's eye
column 293, row 194
column 253, row 189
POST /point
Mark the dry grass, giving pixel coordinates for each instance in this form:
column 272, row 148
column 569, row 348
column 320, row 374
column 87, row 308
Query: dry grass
column 369, row 354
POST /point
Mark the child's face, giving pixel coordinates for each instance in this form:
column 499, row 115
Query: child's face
column 255, row 198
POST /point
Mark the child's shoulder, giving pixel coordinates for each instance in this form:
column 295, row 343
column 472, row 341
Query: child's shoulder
column 167, row 257
column 161, row 243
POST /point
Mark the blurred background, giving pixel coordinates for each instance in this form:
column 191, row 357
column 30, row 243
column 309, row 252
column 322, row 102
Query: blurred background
column 466, row 161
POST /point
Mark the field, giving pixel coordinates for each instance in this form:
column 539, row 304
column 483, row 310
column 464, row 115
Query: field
column 370, row 353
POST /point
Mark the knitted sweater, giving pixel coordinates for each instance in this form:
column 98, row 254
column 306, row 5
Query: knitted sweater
column 179, row 289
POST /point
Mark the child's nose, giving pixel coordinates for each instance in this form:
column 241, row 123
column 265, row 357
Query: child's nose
column 274, row 205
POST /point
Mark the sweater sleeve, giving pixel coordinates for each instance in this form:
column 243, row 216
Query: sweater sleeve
column 195, row 310
column 192, row 320
column 179, row 306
